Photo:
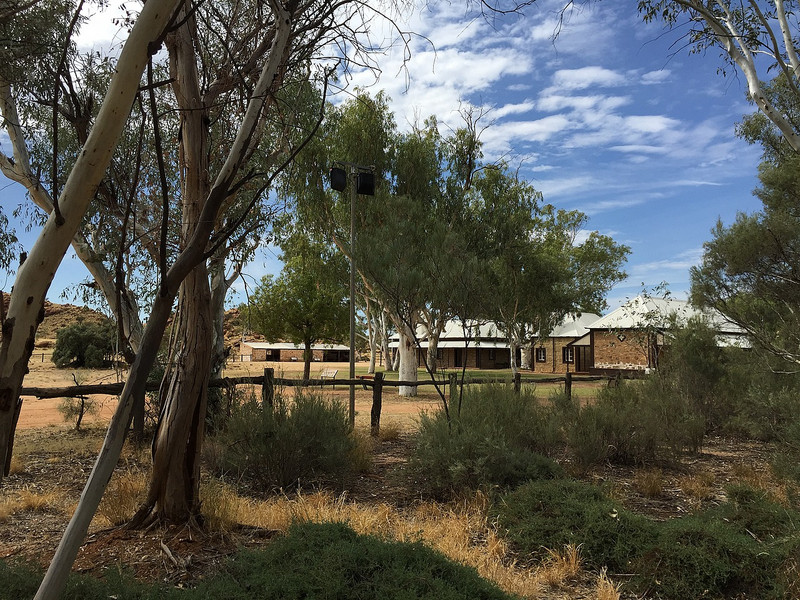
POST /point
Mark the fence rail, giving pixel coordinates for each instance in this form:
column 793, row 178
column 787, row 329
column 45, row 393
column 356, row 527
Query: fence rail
column 269, row 382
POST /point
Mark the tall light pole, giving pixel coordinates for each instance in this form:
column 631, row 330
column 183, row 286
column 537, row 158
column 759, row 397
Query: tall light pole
column 362, row 181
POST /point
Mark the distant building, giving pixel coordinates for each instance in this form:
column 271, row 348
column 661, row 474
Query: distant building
column 288, row 352
column 631, row 337
column 559, row 352
column 485, row 346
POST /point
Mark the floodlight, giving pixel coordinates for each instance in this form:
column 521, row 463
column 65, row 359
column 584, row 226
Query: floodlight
column 338, row 179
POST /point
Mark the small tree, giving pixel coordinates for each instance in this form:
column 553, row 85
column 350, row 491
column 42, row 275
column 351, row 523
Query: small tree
column 87, row 345
column 307, row 302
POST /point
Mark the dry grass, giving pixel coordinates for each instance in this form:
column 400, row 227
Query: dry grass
column 29, row 500
column 649, row 483
column 390, row 431
column 699, row 487
column 460, row 531
column 606, row 589
column 17, row 465
column 124, row 494
column 561, row 566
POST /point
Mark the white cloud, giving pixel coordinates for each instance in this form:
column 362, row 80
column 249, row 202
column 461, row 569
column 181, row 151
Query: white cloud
column 682, row 261
column 586, row 77
column 655, row 77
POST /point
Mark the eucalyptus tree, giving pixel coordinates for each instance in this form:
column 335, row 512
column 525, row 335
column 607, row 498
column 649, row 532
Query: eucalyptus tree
column 307, row 302
column 537, row 269
column 758, row 37
column 36, row 273
column 749, row 268
column 265, row 44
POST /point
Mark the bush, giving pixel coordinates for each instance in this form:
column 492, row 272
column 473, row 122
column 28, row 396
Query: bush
column 747, row 547
column 287, row 444
column 701, row 556
column 498, row 439
column 331, row 561
column 89, row 345
column 547, row 515
column 635, row 423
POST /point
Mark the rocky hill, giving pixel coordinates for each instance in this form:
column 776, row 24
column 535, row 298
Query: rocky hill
column 57, row 316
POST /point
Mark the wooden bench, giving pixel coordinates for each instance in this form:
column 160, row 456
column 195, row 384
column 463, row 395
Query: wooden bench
column 328, row 374
column 362, row 377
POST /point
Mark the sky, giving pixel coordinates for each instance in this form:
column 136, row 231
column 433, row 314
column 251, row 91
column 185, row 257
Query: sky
column 613, row 117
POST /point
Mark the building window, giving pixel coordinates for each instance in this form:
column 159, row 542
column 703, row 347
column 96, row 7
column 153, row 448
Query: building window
column 439, row 354
column 492, row 354
column 541, row 354
column 568, row 354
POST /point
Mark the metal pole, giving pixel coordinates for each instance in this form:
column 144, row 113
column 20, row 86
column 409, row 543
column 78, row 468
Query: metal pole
column 354, row 183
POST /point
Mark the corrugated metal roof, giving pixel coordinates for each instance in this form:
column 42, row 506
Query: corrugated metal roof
column 574, row 326
column 643, row 312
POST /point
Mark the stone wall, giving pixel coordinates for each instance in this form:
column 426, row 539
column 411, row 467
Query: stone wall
column 629, row 353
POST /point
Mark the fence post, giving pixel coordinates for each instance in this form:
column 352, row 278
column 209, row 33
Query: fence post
column 377, row 401
column 453, row 377
column 268, row 387
column 568, row 385
column 517, row 382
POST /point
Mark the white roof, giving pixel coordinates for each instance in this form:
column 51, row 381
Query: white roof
column 575, row 326
column 642, row 312
column 489, row 335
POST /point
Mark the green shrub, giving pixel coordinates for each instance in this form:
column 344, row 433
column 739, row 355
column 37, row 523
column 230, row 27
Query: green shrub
column 634, row 423
column 287, row 444
column 703, row 557
column 546, row 515
column 695, row 368
column 19, row 580
column 747, row 547
column 331, row 561
column 89, row 345
column 498, row 439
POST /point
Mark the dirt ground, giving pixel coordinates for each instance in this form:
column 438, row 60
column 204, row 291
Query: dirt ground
column 662, row 493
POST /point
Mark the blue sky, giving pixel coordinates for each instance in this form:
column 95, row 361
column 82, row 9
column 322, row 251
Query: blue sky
column 614, row 118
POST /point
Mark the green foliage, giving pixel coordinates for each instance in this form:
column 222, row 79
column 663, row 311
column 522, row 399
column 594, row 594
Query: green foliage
column 694, row 368
column 634, row 423
column 703, row 556
column 85, row 344
column 326, row 560
column 74, row 409
column 746, row 547
column 329, row 560
column 289, row 443
column 20, row 580
column 307, row 302
column 749, row 270
column 546, row 515
column 496, row 439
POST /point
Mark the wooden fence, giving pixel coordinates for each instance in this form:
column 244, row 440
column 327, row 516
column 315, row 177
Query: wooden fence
column 269, row 382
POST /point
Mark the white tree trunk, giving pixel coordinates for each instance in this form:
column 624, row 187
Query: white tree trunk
column 408, row 362
column 513, row 344
column 19, row 170
column 526, row 359
column 25, row 310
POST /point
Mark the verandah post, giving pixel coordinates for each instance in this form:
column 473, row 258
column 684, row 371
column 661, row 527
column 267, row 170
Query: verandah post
column 377, row 402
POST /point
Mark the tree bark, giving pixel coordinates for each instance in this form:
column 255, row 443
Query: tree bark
column 173, row 495
column 175, row 480
column 307, row 354
column 526, row 359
